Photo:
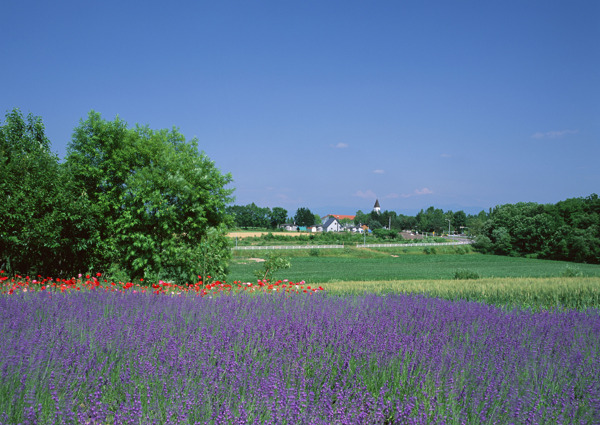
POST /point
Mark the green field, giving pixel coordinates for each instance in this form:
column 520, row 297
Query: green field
column 385, row 266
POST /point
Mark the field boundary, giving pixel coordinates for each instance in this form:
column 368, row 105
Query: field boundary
column 396, row 245
column 253, row 247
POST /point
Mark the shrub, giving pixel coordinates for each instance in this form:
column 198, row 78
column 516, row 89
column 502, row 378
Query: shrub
column 463, row 274
column 571, row 272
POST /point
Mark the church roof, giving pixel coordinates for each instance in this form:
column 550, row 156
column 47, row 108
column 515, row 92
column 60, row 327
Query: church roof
column 377, row 204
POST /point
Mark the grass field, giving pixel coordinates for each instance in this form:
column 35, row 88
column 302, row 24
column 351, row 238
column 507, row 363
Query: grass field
column 384, row 266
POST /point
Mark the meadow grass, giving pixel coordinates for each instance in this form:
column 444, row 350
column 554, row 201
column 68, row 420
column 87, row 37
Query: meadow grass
column 396, row 264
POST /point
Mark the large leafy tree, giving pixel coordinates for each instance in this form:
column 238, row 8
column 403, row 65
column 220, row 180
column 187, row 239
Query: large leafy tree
column 278, row 216
column 160, row 203
column 304, row 217
column 431, row 220
column 34, row 212
column 27, row 184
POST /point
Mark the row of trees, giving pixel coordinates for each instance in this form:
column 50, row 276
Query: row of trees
column 568, row 230
column 137, row 202
column 430, row 220
column 252, row 216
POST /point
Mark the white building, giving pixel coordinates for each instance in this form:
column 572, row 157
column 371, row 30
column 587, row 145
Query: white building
column 332, row 225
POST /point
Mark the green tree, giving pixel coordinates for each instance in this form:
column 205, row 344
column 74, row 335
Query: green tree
column 277, row 217
column 459, row 221
column 99, row 159
column 250, row 215
column 431, row 220
column 405, row 222
column 159, row 203
column 30, row 211
column 360, row 218
column 317, row 219
column 273, row 263
column 304, row 217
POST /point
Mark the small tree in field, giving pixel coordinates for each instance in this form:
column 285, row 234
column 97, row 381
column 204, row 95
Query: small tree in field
column 273, row 263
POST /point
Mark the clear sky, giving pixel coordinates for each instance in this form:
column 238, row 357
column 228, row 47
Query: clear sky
column 331, row 104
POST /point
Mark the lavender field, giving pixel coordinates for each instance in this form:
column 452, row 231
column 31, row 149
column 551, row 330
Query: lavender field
column 111, row 358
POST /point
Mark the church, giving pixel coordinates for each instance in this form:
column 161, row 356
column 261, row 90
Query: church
column 377, row 207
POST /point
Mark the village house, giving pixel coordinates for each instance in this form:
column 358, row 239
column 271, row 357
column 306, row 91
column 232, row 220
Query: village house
column 314, row 229
column 332, row 225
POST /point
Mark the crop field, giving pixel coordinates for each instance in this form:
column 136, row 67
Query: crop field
column 555, row 293
column 386, row 266
column 100, row 357
column 417, row 351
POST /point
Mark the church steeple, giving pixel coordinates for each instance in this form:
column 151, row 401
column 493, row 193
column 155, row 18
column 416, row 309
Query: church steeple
column 376, row 207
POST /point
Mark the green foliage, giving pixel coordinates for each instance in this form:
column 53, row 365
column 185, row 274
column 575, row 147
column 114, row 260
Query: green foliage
column 252, row 216
column 317, row 219
column 304, row 217
column 483, row 244
column 360, row 218
column 42, row 225
column 314, row 252
column 386, row 234
column 277, row 217
column 571, row 272
column 431, row 220
column 271, row 265
column 159, row 204
column 374, row 224
column 569, row 230
column 463, row 274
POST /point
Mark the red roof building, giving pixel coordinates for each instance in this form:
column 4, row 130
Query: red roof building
column 339, row 216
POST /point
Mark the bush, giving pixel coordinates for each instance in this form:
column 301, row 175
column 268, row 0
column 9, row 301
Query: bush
column 483, row 244
column 571, row 272
column 463, row 274
column 314, row 252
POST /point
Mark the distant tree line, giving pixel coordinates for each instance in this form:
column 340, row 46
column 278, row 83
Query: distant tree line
column 568, row 230
column 131, row 202
column 430, row 220
column 251, row 216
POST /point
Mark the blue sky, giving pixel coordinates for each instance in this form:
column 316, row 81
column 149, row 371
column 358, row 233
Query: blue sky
column 331, row 104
